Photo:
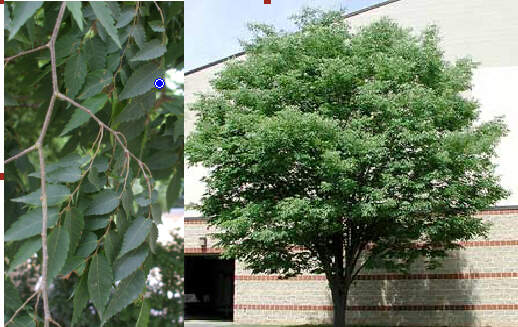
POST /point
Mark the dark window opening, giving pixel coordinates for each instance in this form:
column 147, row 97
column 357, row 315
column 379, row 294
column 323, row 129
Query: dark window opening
column 209, row 287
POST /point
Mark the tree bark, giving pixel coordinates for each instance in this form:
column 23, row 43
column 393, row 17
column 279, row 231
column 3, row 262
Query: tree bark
column 339, row 291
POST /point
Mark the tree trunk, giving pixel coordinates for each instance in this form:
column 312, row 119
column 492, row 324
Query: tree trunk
column 339, row 292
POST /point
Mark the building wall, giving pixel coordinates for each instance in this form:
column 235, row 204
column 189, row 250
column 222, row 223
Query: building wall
column 476, row 286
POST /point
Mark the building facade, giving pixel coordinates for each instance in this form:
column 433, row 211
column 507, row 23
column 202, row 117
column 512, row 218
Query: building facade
column 477, row 286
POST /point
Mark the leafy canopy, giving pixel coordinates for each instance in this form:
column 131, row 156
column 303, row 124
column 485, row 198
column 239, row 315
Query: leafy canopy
column 104, row 206
column 344, row 143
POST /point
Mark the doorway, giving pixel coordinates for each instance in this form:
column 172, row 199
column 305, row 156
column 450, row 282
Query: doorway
column 209, row 287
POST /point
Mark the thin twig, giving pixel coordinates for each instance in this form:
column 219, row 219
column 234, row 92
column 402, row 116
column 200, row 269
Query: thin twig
column 21, row 307
column 6, row 60
column 21, row 154
column 163, row 21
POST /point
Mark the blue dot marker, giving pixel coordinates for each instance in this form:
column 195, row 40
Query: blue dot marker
column 159, row 83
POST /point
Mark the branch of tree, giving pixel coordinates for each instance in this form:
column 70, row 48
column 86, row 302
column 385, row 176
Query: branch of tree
column 21, row 307
column 6, row 60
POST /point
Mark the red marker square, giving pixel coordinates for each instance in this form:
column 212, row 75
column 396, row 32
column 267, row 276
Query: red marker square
column 1, row 176
column 267, row 2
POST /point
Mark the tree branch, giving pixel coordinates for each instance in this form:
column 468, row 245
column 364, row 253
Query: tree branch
column 6, row 60
column 21, row 154
column 21, row 308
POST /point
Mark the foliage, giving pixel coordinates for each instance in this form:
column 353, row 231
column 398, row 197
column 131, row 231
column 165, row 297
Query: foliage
column 108, row 55
column 359, row 147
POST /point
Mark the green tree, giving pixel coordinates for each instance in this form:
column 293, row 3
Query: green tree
column 94, row 153
column 358, row 147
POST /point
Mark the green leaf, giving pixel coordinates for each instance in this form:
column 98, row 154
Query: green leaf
column 125, row 293
column 95, row 52
column 79, row 117
column 87, row 245
column 7, row 17
column 56, row 193
column 11, row 293
column 95, row 83
column 135, row 235
column 141, row 81
column 138, row 33
column 73, row 263
column 125, row 17
column 101, row 164
column 173, row 189
column 93, row 224
column 74, row 224
column 112, row 243
column 156, row 212
column 137, row 108
column 162, row 159
column 105, row 16
column 30, row 224
column 152, row 238
column 113, row 62
column 95, row 178
column 156, row 26
column 127, row 200
column 63, row 175
column 150, row 50
column 143, row 317
column 22, row 12
column 75, row 9
column 58, row 244
column 75, row 73
column 130, row 262
column 100, row 278
column 66, row 44
column 26, row 250
column 104, row 202
column 81, row 297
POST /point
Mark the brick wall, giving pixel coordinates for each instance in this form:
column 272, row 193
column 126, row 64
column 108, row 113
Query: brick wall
column 476, row 286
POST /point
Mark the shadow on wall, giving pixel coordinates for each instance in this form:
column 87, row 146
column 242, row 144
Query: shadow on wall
column 394, row 299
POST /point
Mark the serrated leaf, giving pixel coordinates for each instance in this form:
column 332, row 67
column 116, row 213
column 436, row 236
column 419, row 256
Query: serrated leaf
column 95, row 179
column 113, row 62
column 122, row 222
column 125, row 17
column 141, row 81
column 125, row 293
column 87, row 245
column 75, row 73
column 75, row 9
column 30, row 224
column 105, row 16
column 74, row 223
column 138, row 33
column 112, row 243
column 138, row 107
column 152, row 238
column 156, row 212
column 100, row 279
column 79, row 117
column 22, row 12
column 135, row 235
column 104, row 202
column 173, row 189
column 101, row 164
column 73, row 263
column 95, row 52
column 95, row 83
column 143, row 317
column 127, row 200
column 80, row 298
column 63, row 175
column 66, row 44
column 130, row 262
column 26, row 250
column 156, row 26
column 56, row 193
column 150, row 50
column 93, row 224
column 58, row 244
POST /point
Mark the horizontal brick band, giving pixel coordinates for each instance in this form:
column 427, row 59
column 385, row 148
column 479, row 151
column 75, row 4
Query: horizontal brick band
column 497, row 212
column 298, row 248
column 438, row 307
column 203, row 250
column 385, row 276
column 195, row 221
